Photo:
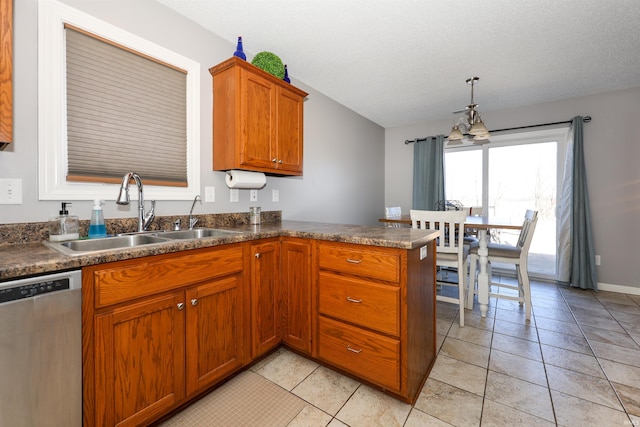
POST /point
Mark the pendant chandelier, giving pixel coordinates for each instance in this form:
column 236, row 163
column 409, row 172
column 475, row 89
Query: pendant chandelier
column 470, row 123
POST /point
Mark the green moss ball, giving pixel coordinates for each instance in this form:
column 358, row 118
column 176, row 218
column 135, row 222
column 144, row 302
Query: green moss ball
column 270, row 63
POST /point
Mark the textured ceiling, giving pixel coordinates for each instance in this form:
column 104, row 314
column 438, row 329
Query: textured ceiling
column 400, row 62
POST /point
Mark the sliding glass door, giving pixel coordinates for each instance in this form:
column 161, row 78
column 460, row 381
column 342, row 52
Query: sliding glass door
column 506, row 177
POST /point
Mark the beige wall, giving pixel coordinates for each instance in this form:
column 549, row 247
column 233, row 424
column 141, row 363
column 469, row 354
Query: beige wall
column 343, row 178
column 612, row 157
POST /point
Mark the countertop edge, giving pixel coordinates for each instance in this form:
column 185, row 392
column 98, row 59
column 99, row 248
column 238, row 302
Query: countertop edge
column 23, row 260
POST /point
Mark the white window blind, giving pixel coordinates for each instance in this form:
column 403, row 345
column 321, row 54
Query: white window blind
column 125, row 112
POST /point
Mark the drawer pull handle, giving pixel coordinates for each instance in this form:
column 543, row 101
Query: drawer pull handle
column 180, row 306
column 354, row 261
column 353, row 350
column 357, row 301
column 194, row 302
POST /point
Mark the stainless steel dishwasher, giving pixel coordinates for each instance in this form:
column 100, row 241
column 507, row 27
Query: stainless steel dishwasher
column 41, row 351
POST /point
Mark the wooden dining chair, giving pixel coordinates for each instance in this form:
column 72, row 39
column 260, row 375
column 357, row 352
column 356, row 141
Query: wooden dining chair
column 450, row 250
column 516, row 255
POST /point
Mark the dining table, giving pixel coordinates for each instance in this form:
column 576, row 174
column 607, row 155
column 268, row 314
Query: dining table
column 482, row 224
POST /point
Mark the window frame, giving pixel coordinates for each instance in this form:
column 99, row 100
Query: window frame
column 559, row 135
column 52, row 138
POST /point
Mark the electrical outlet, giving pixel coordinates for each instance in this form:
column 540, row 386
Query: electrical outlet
column 209, row 194
column 275, row 195
column 234, row 195
column 253, row 196
column 10, row 191
column 423, row 252
column 597, row 259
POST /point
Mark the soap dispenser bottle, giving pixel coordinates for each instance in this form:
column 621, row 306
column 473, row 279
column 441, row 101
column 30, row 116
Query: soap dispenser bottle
column 64, row 226
column 97, row 227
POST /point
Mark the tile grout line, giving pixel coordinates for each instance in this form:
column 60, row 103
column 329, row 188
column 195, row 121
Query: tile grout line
column 594, row 352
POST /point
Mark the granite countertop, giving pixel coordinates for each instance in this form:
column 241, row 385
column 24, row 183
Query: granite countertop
column 28, row 259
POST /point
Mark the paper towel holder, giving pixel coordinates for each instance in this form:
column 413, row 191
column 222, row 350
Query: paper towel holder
column 237, row 178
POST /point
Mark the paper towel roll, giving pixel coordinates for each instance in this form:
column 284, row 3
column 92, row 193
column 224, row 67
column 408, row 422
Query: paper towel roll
column 245, row 179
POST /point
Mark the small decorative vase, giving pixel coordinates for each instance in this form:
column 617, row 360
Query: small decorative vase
column 286, row 74
column 239, row 52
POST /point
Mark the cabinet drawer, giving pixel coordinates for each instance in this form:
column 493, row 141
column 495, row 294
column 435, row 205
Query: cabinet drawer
column 366, row 261
column 367, row 304
column 146, row 276
column 374, row 357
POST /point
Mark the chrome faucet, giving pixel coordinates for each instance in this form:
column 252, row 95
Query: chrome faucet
column 144, row 219
column 193, row 221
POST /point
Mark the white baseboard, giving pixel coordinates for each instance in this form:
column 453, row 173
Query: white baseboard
column 618, row 288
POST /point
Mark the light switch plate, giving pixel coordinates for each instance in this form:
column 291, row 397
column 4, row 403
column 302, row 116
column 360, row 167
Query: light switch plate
column 234, row 195
column 10, row 191
column 275, row 195
column 209, row 194
column 423, row 252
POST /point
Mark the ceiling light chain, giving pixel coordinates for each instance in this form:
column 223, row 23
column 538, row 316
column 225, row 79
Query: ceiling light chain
column 471, row 122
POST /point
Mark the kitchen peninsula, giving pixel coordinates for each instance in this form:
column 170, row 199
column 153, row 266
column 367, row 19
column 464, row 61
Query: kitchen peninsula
column 358, row 299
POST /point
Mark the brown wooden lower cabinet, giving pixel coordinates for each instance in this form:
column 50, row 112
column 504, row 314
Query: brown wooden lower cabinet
column 373, row 357
column 296, row 300
column 376, row 314
column 265, row 292
column 214, row 332
column 139, row 361
column 145, row 354
column 160, row 330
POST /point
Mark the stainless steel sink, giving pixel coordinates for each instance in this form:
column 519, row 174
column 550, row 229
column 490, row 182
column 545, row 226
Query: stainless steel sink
column 123, row 241
column 197, row 233
column 77, row 247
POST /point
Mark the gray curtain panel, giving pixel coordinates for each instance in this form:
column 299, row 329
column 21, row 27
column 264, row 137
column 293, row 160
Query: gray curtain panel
column 576, row 256
column 428, row 172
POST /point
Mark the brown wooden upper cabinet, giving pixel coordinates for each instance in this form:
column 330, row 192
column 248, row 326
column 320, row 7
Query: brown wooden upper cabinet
column 6, row 72
column 257, row 120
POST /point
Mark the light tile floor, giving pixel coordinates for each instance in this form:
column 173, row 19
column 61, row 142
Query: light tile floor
column 575, row 363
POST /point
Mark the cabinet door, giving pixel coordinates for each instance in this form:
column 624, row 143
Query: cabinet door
column 296, row 293
column 6, row 72
column 214, row 335
column 257, row 122
column 139, row 360
column 265, row 317
column 289, row 156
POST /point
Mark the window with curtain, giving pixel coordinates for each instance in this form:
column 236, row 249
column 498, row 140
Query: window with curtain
column 506, row 177
column 110, row 103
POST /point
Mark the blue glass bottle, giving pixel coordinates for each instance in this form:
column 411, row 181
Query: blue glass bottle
column 239, row 52
column 286, row 74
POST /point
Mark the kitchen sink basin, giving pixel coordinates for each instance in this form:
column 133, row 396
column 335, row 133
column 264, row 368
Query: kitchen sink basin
column 131, row 240
column 77, row 247
column 196, row 233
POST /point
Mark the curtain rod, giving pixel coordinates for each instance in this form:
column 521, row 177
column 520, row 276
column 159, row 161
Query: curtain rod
column 585, row 119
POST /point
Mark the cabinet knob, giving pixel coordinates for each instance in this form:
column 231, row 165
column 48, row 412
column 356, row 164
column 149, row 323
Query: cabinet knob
column 180, row 306
column 194, row 302
column 274, row 160
column 280, row 161
column 257, row 255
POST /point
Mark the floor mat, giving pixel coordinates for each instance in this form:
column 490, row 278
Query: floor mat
column 247, row 400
